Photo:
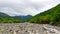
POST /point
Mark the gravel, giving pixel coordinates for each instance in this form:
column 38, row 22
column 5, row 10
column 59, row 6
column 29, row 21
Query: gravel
column 28, row 28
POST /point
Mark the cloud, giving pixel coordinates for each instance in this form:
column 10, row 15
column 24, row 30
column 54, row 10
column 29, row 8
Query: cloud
column 26, row 7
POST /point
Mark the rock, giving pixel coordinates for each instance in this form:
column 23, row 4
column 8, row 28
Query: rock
column 28, row 28
column 51, row 30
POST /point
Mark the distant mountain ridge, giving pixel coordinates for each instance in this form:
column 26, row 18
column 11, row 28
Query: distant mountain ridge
column 25, row 18
column 51, row 16
column 3, row 14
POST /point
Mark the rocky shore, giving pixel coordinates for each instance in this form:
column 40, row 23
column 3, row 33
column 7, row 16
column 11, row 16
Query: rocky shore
column 28, row 28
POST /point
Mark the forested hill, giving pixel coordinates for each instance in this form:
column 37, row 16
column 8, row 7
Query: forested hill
column 3, row 15
column 4, row 18
column 51, row 16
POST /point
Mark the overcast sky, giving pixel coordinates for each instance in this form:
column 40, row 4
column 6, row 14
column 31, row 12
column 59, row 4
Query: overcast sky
column 26, row 7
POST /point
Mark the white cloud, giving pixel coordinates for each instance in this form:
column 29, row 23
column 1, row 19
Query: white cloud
column 26, row 7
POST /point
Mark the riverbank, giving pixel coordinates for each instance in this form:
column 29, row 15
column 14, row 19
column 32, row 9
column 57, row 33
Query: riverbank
column 28, row 28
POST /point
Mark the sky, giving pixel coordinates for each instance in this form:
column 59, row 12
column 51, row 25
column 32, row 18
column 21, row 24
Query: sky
column 26, row 7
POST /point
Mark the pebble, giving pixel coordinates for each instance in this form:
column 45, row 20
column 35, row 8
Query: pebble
column 27, row 28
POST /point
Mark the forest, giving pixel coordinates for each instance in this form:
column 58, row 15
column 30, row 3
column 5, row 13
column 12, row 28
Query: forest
column 51, row 16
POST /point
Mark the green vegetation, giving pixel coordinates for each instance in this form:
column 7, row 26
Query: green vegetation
column 51, row 16
column 10, row 20
column 4, row 18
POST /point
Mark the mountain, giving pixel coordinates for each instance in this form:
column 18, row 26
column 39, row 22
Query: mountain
column 6, row 18
column 25, row 18
column 51, row 16
column 3, row 15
